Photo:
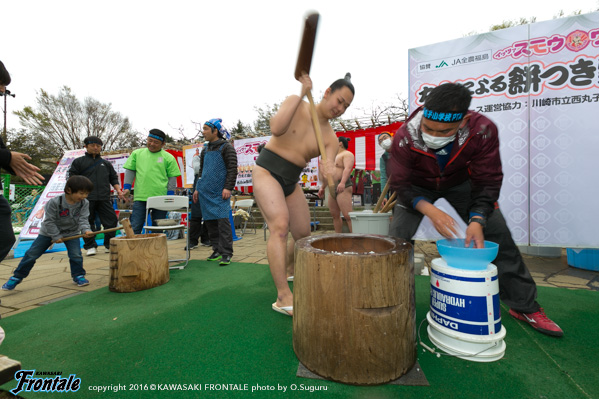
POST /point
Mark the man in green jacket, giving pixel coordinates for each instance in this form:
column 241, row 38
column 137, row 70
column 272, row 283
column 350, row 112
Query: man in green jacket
column 155, row 173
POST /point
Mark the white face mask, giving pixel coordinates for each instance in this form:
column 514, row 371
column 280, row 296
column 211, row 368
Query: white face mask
column 436, row 142
column 386, row 144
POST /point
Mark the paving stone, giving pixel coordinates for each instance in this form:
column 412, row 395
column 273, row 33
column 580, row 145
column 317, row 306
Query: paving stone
column 29, row 298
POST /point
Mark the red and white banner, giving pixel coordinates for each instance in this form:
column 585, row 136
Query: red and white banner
column 365, row 147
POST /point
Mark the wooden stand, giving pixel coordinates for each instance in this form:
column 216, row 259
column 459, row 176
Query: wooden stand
column 354, row 312
column 138, row 263
column 8, row 368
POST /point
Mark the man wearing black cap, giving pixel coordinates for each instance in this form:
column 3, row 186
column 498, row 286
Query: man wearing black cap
column 103, row 175
column 155, row 173
column 446, row 151
column 16, row 164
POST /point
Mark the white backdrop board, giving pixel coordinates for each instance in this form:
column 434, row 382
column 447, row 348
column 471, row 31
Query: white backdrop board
column 540, row 84
column 247, row 152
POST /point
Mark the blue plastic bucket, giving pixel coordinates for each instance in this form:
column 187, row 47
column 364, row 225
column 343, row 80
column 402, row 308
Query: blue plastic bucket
column 457, row 255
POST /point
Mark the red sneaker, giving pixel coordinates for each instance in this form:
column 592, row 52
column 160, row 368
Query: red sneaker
column 539, row 321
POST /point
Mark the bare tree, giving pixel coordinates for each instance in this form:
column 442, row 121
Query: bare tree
column 377, row 115
column 36, row 146
column 65, row 121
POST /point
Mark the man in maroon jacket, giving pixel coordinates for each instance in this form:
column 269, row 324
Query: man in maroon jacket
column 446, row 151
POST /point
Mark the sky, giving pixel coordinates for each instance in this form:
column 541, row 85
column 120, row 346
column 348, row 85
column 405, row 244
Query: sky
column 167, row 64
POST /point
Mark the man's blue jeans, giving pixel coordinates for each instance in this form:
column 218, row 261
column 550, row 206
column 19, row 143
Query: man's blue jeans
column 138, row 216
column 40, row 245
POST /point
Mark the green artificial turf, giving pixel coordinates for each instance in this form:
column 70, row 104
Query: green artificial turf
column 214, row 325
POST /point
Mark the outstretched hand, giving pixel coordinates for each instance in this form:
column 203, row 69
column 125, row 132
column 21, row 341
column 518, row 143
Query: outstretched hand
column 126, row 193
column 327, row 168
column 474, row 232
column 442, row 222
column 24, row 169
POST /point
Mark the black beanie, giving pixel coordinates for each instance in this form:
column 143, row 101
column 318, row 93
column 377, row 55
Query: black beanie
column 92, row 140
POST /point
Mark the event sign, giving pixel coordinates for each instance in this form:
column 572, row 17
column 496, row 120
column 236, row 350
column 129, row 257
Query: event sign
column 539, row 84
column 247, row 152
column 189, row 153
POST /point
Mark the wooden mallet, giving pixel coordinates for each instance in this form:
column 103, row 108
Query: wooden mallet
column 302, row 67
column 126, row 225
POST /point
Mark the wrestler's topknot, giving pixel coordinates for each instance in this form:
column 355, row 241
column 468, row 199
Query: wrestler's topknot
column 345, row 82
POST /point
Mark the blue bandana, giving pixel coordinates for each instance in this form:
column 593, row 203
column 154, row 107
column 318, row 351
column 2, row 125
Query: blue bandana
column 157, row 134
column 156, row 137
column 216, row 124
column 444, row 117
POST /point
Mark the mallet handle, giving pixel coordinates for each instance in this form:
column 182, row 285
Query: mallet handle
column 94, row 233
column 128, row 229
column 380, row 201
column 321, row 148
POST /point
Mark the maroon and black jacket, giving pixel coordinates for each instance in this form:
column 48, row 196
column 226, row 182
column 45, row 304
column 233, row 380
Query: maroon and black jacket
column 474, row 157
column 5, row 158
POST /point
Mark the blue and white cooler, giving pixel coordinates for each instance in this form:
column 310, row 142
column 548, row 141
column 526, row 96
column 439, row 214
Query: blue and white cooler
column 465, row 317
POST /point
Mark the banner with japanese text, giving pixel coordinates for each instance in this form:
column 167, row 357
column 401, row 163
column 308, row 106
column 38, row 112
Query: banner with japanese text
column 247, row 152
column 539, row 84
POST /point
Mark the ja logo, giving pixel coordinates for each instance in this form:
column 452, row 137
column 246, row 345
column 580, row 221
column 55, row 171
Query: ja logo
column 442, row 64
